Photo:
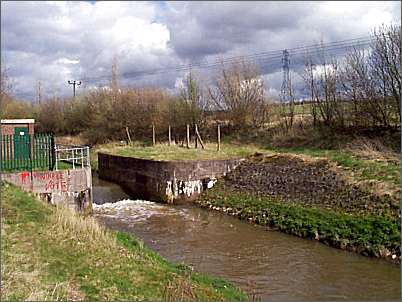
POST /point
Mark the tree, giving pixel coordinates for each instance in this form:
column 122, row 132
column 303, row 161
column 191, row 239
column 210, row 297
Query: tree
column 239, row 92
column 192, row 101
column 5, row 88
column 385, row 65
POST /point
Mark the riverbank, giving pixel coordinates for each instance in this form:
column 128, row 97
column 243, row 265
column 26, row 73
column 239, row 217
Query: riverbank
column 51, row 253
column 311, row 198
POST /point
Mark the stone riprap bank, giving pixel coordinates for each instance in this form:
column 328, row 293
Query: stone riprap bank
column 70, row 187
column 166, row 181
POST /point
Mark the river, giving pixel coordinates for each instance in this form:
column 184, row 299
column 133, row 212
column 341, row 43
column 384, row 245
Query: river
column 270, row 264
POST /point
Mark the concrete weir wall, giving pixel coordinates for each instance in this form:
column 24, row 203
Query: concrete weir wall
column 70, row 187
column 166, row 181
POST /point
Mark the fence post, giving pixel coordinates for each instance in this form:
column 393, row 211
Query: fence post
column 128, row 135
column 188, row 136
column 170, row 136
column 82, row 158
column 88, row 157
column 196, row 138
column 31, row 137
column 56, row 153
column 219, row 137
column 52, row 152
column 198, row 135
column 153, row 135
column 73, row 158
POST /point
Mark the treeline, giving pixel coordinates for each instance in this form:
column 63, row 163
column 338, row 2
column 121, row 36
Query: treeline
column 362, row 90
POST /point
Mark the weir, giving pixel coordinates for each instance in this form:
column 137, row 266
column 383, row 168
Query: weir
column 163, row 181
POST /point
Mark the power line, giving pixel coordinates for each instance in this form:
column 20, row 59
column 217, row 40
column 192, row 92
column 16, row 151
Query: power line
column 262, row 56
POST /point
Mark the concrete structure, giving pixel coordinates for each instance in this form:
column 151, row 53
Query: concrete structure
column 70, row 187
column 8, row 127
column 166, row 181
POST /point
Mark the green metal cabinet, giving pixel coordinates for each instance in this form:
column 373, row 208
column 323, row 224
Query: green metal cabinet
column 21, row 143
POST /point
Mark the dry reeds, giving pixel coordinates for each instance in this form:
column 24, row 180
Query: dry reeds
column 84, row 229
column 373, row 149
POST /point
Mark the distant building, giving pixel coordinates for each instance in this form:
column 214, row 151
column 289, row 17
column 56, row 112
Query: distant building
column 16, row 139
column 17, row 127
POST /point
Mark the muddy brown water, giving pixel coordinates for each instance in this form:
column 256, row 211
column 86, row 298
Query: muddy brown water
column 270, row 264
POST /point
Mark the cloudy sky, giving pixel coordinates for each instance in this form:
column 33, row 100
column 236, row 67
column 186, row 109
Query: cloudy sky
column 54, row 42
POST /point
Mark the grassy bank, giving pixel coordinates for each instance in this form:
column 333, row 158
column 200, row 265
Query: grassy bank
column 370, row 234
column 51, row 253
column 378, row 169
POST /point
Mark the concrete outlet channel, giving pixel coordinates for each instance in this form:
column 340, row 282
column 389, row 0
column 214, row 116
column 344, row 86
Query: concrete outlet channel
column 163, row 181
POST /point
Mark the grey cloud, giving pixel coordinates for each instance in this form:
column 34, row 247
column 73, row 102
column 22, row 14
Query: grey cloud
column 36, row 35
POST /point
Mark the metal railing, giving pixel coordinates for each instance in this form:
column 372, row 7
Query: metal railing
column 77, row 156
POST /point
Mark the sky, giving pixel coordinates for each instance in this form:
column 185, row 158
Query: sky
column 53, row 42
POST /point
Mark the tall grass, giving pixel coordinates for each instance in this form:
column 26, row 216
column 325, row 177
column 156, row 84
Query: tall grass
column 67, row 222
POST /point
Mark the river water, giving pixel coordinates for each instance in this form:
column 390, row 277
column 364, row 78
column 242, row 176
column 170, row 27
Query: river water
column 272, row 265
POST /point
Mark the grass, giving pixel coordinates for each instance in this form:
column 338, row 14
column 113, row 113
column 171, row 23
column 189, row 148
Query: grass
column 360, row 169
column 52, row 254
column 376, row 235
column 164, row 152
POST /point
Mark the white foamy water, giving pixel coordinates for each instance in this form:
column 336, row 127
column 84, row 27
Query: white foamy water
column 135, row 210
column 122, row 204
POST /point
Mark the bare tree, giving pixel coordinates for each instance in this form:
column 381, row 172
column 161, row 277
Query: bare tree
column 322, row 79
column 5, row 87
column 239, row 91
column 371, row 79
column 308, row 76
column 385, row 65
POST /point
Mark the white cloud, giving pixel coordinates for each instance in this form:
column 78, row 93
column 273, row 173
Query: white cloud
column 66, row 61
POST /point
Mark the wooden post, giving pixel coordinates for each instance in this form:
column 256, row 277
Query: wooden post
column 128, row 135
column 153, row 134
column 170, row 136
column 219, row 137
column 188, row 136
column 195, row 136
column 198, row 136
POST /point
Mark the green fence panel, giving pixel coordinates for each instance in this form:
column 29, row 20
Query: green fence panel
column 27, row 152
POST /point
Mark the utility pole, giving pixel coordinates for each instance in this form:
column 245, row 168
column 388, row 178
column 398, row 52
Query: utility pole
column 39, row 92
column 78, row 83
